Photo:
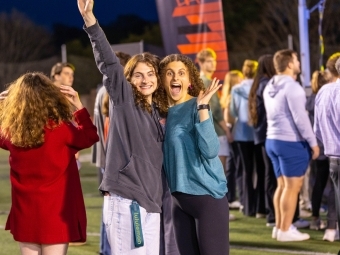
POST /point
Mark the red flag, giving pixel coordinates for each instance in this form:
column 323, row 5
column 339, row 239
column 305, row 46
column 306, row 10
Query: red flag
column 189, row 26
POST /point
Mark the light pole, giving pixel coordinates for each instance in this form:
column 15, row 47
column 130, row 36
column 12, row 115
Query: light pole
column 304, row 43
column 63, row 53
column 304, row 14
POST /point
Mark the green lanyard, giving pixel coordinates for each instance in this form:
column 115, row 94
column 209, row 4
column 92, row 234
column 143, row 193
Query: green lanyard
column 137, row 224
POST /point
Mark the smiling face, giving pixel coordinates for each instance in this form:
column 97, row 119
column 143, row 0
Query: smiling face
column 144, row 79
column 176, row 82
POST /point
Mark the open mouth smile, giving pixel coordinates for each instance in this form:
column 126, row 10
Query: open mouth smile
column 175, row 88
column 144, row 87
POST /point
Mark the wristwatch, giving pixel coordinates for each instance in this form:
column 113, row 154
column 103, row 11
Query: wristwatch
column 203, row 106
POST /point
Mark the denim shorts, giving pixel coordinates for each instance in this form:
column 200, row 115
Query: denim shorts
column 289, row 159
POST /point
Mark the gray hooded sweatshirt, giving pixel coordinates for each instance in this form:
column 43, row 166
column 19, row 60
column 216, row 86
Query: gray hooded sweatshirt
column 134, row 155
column 287, row 118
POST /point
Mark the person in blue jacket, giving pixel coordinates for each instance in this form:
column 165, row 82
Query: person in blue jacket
column 192, row 166
column 243, row 135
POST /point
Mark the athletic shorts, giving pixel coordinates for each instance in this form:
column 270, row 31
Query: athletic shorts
column 289, row 159
column 224, row 146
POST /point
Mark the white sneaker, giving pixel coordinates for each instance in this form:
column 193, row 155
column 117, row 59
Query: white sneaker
column 291, row 235
column 260, row 216
column 331, row 235
column 305, row 213
column 270, row 224
column 274, row 232
column 232, row 217
column 234, row 205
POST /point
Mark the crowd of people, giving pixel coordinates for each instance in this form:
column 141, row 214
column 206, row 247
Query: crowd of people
column 175, row 150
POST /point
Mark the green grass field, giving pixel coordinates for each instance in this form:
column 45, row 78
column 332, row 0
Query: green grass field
column 246, row 233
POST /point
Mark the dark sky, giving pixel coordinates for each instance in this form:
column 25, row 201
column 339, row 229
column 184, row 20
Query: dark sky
column 48, row 12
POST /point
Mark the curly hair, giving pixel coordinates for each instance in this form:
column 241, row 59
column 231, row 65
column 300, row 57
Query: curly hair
column 265, row 69
column 159, row 96
column 33, row 103
column 194, row 75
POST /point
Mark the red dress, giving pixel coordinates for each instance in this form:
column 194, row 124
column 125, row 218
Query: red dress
column 47, row 200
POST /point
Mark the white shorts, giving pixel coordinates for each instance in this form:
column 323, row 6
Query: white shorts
column 224, row 146
column 119, row 230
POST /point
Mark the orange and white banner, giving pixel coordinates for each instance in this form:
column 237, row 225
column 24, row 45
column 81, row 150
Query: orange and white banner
column 189, row 26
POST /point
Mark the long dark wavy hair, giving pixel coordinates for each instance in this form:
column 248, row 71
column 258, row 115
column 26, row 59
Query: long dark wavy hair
column 196, row 82
column 159, row 96
column 33, row 104
column 264, row 69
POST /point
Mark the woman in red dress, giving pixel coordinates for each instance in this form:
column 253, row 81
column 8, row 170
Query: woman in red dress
column 36, row 127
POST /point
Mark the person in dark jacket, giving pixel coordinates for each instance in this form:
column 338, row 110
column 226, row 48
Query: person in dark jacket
column 266, row 180
column 134, row 157
column 100, row 117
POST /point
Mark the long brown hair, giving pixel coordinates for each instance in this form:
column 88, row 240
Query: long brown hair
column 265, row 69
column 33, row 103
column 159, row 96
column 232, row 78
column 318, row 80
column 196, row 82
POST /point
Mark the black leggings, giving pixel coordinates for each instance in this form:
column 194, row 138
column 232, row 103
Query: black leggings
column 201, row 224
column 270, row 185
column 321, row 178
column 247, row 156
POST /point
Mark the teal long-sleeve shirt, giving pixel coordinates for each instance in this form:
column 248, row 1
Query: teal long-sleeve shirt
column 191, row 161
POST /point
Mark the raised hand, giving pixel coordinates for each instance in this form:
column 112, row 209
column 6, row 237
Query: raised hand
column 72, row 96
column 85, row 6
column 204, row 97
column 86, row 10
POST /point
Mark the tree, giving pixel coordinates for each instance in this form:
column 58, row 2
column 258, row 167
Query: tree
column 64, row 34
column 76, row 48
column 151, row 35
column 237, row 14
column 22, row 40
column 123, row 26
column 280, row 18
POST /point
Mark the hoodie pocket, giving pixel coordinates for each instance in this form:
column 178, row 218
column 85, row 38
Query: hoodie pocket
column 141, row 176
